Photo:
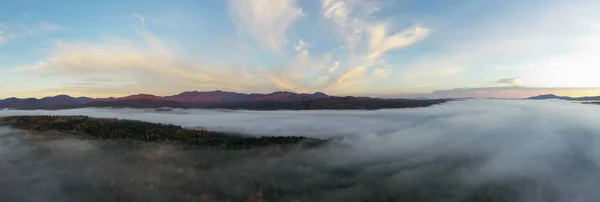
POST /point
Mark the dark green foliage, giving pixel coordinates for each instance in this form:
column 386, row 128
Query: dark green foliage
column 148, row 132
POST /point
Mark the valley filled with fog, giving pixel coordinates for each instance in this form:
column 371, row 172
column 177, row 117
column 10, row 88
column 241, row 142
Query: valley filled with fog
column 472, row 150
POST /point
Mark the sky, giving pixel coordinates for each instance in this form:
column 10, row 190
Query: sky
column 387, row 48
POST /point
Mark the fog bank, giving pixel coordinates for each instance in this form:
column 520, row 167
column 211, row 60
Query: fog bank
column 474, row 150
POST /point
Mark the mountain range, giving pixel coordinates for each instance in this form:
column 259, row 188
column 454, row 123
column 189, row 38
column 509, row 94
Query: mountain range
column 552, row 96
column 218, row 99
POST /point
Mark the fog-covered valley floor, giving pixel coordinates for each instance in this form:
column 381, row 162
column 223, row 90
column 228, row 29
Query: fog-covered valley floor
column 474, row 150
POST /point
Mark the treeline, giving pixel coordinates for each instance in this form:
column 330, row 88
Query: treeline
column 332, row 103
column 148, row 132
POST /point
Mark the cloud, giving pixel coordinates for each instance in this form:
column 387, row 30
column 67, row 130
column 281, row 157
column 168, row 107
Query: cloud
column 152, row 65
column 382, row 72
column 127, row 66
column 366, row 39
column 5, row 36
column 3, row 39
column 11, row 31
column 48, row 27
column 510, row 81
column 143, row 20
column 380, row 41
column 149, row 65
column 265, row 20
column 334, row 66
column 337, row 11
column 301, row 47
column 472, row 54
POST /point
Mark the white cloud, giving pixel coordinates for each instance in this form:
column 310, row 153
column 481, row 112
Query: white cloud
column 380, row 41
column 382, row 72
column 366, row 40
column 301, row 47
column 265, row 20
column 335, row 10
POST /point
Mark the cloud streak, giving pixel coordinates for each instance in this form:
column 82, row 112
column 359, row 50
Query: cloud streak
column 509, row 81
column 142, row 19
column 366, row 40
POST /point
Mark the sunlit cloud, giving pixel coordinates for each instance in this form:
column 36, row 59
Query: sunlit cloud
column 265, row 20
column 147, row 65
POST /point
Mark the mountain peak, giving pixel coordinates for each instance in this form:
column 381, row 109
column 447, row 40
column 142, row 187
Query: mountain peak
column 62, row 96
column 140, row 97
column 546, row 97
column 320, row 94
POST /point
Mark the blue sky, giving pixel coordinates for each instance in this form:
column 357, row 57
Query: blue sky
column 434, row 48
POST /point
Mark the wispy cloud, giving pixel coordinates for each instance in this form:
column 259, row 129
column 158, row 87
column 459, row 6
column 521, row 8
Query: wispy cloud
column 11, row 31
column 3, row 39
column 265, row 20
column 301, row 47
column 510, row 81
column 48, row 27
column 142, row 19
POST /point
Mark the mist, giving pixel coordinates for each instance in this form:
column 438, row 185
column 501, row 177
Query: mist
column 473, row 150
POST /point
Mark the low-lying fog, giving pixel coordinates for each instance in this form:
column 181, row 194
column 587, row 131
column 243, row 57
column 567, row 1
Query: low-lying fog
column 474, row 150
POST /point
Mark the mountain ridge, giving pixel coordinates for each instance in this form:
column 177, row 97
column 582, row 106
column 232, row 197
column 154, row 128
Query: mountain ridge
column 217, row 99
column 553, row 96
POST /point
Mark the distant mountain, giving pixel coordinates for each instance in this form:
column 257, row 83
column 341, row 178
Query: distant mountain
column 55, row 102
column 289, row 96
column 12, row 99
column 552, row 96
column 218, row 99
column 136, row 103
column 548, row 97
column 210, row 97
